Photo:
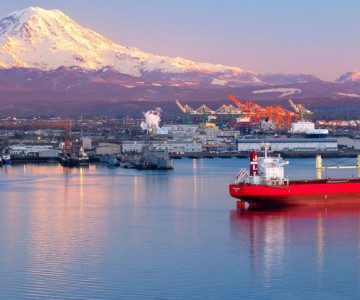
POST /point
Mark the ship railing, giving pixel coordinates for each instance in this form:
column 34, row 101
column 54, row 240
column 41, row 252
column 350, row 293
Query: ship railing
column 277, row 182
column 240, row 176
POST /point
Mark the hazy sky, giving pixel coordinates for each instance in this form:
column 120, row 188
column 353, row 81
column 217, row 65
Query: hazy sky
column 309, row 36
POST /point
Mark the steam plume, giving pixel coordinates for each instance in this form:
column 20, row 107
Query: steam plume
column 152, row 120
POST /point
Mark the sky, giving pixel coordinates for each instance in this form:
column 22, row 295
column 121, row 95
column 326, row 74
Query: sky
column 317, row 37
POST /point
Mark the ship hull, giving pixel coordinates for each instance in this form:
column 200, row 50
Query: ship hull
column 313, row 192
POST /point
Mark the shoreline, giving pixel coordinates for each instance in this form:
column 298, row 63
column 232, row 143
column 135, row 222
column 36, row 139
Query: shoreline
column 208, row 155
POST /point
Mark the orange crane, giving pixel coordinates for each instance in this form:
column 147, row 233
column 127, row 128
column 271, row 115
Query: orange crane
column 251, row 110
column 280, row 116
column 243, row 107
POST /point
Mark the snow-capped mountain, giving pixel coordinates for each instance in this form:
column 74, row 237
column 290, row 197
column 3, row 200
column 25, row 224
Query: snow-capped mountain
column 351, row 76
column 48, row 39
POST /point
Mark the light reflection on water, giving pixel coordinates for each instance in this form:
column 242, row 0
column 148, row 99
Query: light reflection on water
column 100, row 233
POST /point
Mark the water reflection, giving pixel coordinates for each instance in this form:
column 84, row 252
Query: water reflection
column 311, row 233
column 109, row 234
column 320, row 240
column 195, row 183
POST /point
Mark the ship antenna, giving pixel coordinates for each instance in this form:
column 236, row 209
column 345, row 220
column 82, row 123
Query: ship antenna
column 266, row 148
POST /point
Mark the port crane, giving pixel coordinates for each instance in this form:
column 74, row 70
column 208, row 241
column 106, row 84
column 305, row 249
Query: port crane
column 301, row 110
column 281, row 117
column 204, row 109
column 206, row 112
column 186, row 108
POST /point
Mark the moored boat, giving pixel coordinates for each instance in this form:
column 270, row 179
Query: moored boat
column 266, row 185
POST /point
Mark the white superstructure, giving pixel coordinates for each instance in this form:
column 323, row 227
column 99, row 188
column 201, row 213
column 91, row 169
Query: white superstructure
column 265, row 170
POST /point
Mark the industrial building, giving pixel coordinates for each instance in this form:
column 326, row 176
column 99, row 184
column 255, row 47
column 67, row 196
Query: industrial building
column 302, row 127
column 86, row 142
column 353, row 143
column 291, row 144
column 177, row 147
column 107, row 149
column 179, row 131
column 43, row 151
column 132, row 146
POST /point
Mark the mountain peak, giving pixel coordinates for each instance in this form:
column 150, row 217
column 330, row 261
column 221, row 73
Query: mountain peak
column 349, row 76
column 46, row 39
column 14, row 22
column 35, row 10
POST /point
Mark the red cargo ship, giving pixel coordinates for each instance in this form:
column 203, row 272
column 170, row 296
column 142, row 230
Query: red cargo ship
column 266, row 185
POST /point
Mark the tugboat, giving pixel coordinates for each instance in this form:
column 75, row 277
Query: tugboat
column 83, row 158
column 266, row 185
column 71, row 159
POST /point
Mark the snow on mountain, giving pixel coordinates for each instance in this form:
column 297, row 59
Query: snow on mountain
column 350, row 76
column 48, row 39
column 348, row 95
column 284, row 92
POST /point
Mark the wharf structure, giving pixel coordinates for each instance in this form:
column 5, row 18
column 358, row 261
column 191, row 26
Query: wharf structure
column 289, row 144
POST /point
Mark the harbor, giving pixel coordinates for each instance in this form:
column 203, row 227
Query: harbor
column 150, row 142
column 83, row 218
column 179, row 150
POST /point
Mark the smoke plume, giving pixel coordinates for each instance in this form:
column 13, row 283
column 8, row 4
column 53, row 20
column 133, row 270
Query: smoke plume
column 152, row 120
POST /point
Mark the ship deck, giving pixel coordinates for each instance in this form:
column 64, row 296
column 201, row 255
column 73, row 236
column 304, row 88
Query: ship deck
column 324, row 181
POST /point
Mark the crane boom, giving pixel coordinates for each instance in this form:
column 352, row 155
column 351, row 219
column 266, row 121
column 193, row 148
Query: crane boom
column 301, row 110
column 182, row 108
column 237, row 102
column 294, row 106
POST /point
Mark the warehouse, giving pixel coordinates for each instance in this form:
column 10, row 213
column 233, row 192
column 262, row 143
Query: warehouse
column 291, row 144
column 177, row 147
column 42, row 151
column 132, row 146
column 107, row 149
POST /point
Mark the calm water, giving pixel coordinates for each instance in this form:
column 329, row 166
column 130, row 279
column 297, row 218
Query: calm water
column 101, row 233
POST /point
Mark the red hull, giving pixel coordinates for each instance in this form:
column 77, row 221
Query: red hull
column 312, row 192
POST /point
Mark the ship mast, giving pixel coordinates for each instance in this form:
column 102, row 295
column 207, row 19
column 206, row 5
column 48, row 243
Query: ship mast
column 266, row 148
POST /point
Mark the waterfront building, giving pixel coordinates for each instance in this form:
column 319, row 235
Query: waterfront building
column 86, row 142
column 107, row 149
column 348, row 142
column 43, row 151
column 132, row 146
column 178, row 147
column 291, row 144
